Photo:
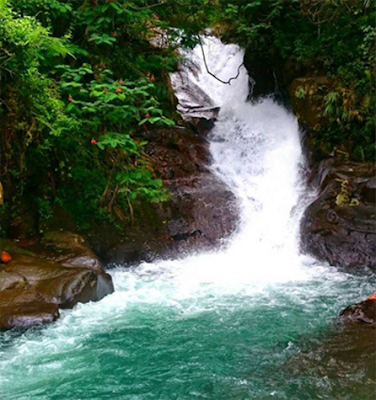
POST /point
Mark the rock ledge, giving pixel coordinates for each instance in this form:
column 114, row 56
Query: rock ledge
column 57, row 272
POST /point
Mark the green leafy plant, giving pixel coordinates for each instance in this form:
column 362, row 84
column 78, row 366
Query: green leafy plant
column 312, row 39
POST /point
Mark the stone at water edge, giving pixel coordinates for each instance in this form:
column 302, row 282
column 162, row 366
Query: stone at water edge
column 339, row 227
column 363, row 312
column 24, row 308
column 33, row 288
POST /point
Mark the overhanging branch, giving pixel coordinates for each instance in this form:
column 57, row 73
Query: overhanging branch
column 211, row 74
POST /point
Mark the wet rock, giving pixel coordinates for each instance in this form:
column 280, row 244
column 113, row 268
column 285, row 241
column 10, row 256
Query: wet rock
column 15, row 246
column 340, row 226
column 203, row 126
column 69, row 250
column 363, row 312
column 195, row 105
column 25, row 308
column 11, row 280
column 55, row 283
column 33, row 288
column 201, row 210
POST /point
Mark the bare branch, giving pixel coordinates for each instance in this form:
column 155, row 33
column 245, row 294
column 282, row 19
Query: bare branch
column 214, row 76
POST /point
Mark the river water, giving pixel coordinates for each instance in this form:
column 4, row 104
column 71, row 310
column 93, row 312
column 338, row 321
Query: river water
column 255, row 320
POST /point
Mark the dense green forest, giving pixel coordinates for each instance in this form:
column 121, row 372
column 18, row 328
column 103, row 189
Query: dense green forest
column 80, row 79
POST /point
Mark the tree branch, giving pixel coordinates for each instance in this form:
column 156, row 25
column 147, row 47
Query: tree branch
column 211, row 74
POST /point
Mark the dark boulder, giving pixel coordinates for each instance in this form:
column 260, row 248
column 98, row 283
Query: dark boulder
column 340, row 226
column 33, row 288
column 363, row 312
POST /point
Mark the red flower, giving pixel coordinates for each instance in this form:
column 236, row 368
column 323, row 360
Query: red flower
column 93, row 141
column 152, row 78
column 5, row 257
column 118, row 90
column 70, row 98
column 147, row 115
column 121, row 81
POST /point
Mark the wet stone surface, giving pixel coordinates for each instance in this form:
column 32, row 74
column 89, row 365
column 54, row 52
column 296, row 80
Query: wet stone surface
column 340, row 225
column 40, row 279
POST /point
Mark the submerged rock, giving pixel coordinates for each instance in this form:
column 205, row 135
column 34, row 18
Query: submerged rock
column 343, row 356
column 33, row 285
column 340, row 226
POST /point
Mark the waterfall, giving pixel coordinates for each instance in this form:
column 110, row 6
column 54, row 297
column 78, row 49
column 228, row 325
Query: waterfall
column 230, row 323
column 256, row 151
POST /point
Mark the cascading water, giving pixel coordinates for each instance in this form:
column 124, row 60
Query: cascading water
column 256, row 152
column 230, row 324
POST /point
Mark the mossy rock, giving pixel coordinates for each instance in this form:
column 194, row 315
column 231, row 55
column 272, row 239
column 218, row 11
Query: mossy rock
column 307, row 96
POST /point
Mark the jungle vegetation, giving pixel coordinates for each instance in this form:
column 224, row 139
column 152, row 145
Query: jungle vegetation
column 79, row 79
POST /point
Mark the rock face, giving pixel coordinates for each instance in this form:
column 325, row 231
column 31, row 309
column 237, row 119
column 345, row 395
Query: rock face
column 200, row 213
column 363, row 312
column 70, row 250
column 40, row 280
column 23, row 308
column 195, row 106
column 340, row 226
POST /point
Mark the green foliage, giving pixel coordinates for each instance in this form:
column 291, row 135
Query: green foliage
column 79, row 81
column 30, row 108
column 300, row 92
column 313, row 38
